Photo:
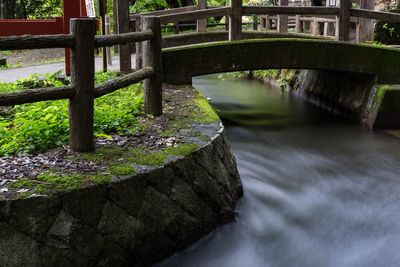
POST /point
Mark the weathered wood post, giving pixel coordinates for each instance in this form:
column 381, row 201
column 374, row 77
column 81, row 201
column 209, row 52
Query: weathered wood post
column 138, row 53
column 152, row 58
column 299, row 24
column 342, row 30
column 267, row 23
column 123, row 27
column 282, row 24
column 201, row 23
column 235, row 20
column 366, row 26
column 82, row 77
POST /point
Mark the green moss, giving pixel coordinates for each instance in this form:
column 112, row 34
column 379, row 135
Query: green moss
column 380, row 93
column 101, row 155
column 49, row 182
column 23, row 195
column 61, row 182
column 181, row 150
column 22, row 183
column 122, row 169
column 143, row 156
column 206, row 112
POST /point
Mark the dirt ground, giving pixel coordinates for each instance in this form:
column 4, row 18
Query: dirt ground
column 21, row 58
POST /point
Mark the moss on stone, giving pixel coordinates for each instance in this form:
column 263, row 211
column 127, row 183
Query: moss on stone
column 143, row 156
column 22, row 183
column 49, row 182
column 380, row 93
column 206, row 112
column 103, row 154
column 181, row 150
column 122, row 169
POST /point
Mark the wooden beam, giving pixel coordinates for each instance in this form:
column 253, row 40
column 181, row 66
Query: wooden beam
column 289, row 10
column 123, row 27
column 37, row 42
column 282, row 26
column 82, row 77
column 36, row 95
column 201, row 23
column 123, row 81
column 123, row 38
column 152, row 58
column 378, row 15
column 235, row 20
column 198, row 14
column 343, row 21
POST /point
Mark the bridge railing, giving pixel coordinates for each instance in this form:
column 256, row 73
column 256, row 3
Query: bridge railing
column 340, row 16
column 82, row 91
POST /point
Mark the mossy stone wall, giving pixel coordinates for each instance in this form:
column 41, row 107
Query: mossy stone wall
column 134, row 221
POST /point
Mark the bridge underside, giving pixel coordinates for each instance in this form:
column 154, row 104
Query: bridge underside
column 182, row 63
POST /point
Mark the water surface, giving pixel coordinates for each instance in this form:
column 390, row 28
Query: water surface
column 318, row 191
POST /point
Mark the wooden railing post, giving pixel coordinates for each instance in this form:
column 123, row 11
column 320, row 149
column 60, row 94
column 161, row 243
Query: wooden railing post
column 202, row 23
column 235, row 20
column 123, row 27
column 152, row 58
column 138, row 53
column 82, row 76
column 282, row 22
column 343, row 21
column 299, row 24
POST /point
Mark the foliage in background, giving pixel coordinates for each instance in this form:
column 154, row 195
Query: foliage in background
column 43, row 125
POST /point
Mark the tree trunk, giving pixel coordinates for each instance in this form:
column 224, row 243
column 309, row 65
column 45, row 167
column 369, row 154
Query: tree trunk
column 7, row 9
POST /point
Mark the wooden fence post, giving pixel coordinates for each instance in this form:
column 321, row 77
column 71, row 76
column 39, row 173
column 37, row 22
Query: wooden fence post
column 123, row 27
column 138, row 53
column 282, row 24
column 152, row 58
column 299, row 24
column 82, row 76
column 201, row 23
column 235, row 20
column 342, row 31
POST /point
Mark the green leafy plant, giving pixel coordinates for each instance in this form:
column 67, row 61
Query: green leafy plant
column 39, row 126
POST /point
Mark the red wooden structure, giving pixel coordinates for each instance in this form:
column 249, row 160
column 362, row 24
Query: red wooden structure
column 71, row 9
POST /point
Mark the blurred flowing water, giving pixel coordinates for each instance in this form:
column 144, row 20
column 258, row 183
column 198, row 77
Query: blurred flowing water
column 318, row 191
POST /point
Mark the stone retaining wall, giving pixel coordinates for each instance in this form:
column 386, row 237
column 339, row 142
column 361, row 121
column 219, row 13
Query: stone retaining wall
column 134, row 221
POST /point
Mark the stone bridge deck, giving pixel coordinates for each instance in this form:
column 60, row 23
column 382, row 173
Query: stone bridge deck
column 182, row 63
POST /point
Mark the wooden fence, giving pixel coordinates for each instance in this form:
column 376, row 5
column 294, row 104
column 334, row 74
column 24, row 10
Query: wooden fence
column 82, row 91
column 341, row 16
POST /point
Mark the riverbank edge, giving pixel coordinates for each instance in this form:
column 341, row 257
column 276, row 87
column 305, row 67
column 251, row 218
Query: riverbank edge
column 353, row 96
column 134, row 221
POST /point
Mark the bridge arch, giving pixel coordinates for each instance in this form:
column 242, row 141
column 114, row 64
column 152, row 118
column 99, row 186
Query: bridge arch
column 182, row 63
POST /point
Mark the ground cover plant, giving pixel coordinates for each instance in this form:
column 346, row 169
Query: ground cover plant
column 39, row 126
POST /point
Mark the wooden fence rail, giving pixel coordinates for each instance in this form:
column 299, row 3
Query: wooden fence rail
column 36, row 42
column 341, row 15
column 82, row 91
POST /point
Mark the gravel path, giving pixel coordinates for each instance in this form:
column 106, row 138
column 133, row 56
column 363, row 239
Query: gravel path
column 11, row 75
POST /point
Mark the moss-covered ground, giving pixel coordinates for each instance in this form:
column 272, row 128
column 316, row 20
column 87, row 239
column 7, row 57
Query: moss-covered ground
column 159, row 141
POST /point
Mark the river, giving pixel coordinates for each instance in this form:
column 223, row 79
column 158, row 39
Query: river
column 318, row 191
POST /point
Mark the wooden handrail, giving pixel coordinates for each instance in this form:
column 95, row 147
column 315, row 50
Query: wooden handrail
column 289, row 10
column 371, row 14
column 36, row 42
column 37, row 95
column 124, row 38
column 123, row 81
column 198, row 14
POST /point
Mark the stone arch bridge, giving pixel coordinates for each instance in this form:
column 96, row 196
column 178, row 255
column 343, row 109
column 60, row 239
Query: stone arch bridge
column 182, row 63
